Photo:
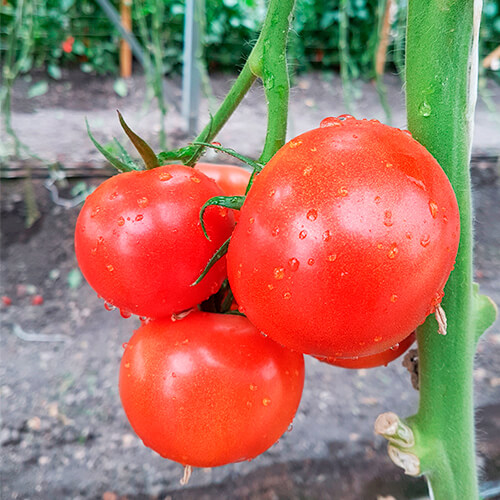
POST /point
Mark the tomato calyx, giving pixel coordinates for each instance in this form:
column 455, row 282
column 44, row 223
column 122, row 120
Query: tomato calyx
column 233, row 202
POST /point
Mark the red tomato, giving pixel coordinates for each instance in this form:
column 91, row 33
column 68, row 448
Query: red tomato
column 382, row 358
column 231, row 179
column 209, row 389
column 345, row 241
column 139, row 241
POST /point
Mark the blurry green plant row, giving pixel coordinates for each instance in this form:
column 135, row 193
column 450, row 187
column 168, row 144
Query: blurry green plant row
column 68, row 33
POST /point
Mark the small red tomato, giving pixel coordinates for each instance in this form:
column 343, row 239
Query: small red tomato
column 209, row 389
column 231, row 179
column 379, row 359
column 139, row 242
column 6, row 300
column 345, row 241
column 37, row 300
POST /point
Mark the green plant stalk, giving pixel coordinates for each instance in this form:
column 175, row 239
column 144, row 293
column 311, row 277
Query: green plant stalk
column 441, row 74
column 267, row 61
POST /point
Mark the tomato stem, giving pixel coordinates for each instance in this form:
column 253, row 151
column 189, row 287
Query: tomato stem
column 441, row 78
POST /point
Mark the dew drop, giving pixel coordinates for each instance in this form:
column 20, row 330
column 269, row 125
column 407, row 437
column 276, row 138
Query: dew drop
column 307, row 170
column 272, row 192
column 393, row 251
column 195, row 179
column 279, row 273
column 241, row 309
column 125, row 345
column 343, row 191
column 445, row 219
column 139, row 217
column 108, row 306
column 395, row 347
column 95, row 211
column 346, row 117
column 249, row 405
column 165, row 176
column 407, row 132
column 332, row 257
column 425, row 109
column 354, row 136
column 125, row 314
column 223, row 211
column 389, row 165
column 312, row 214
column 409, row 236
column 251, row 220
column 313, row 150
column 326, row 236
column 433, row 208
column 388, row 218
column 121, row 221
column 331, row 121
column 110, row 268
column 394, row 297
column 380, row 246
column 310, row 262
column 426, row 239
column 114, row 195
column 302, row 234
column 275, row 231
column 290, row 428
column 270, row 286
column 93, row 251
column 253, row 387
column 266, row 401
column 377, row 199
column 377, row 339
column 143, row 202
column 287, row 295
column 127, row 365
column 294, row 144
column 293, row 264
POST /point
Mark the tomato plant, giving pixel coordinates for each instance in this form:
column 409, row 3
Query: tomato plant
column 139, row 242
column 209, row 389
column 380, row 359
column 345, row 241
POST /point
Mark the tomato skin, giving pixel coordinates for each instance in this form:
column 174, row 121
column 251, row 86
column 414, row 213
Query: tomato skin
column 209, row 389
column 139, row 242
column 380, row 359
column 345, row 241
column 233, row 180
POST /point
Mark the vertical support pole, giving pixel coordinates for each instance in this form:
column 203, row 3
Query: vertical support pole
column 125, row 50
column 191, row 77
column 383, row 42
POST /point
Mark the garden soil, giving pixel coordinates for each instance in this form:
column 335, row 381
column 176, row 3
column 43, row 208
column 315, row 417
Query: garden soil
column 64, row 434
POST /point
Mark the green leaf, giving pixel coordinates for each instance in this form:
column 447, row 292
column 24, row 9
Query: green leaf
column 180, row 154
column 38, row 89
column 74, row 278
column 234, row 202
column 120, row 87
column 118, row 164
column 485, row 312
column 54, row 71
column 231, row 152
column 143, row 148
column 216, row 256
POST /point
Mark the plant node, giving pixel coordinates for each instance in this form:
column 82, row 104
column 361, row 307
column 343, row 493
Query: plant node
column 407, row 461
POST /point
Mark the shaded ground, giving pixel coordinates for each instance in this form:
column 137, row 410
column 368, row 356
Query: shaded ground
column 64, row 434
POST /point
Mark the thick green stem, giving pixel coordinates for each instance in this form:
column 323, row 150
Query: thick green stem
column 441, row 74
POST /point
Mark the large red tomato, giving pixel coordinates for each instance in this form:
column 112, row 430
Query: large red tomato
column 345, row 241
column 209, row 389
column 139, row 241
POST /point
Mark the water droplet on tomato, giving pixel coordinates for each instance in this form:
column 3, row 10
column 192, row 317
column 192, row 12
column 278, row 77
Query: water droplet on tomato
column 407, row 132
column 125, row 314
column 143, row 202
column 293, row 264
column 272, row 192
column 343, row 191
column 310, row 262
column 270, row 286
column 253, row 387
column 302, row 234
column 312, row 214
column 433, row 208
column 279, row 273
column 377, row 339
column 332, row 257
column 241, row 309
column 165, row 176
column 346, row 117
column 113, row 195
column 287, row 295
column 125, row 345
column 110, row 268
column 266, row 401
column 174, row 375
column 394, row 297
column 139, row 217
column 109, row 307
column 426, row 239
column 290, row 428
column 195, row 179
column 93, row 251
column 307, row 170
column 445, row 219
column 326, row 236
column 395, row 347
column 388, row 218
column 249, row 405
column 251, row 220
column 393, row 251
column 377, row 199
column 275, row 231
column 331, row 121
column 409, row 236
column 121, row 221
column 354, row 136
column 294, row 144
column 95, row 211
column 223, row 211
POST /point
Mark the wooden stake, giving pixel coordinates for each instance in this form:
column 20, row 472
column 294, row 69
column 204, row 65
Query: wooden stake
column 125, row 51
column 383, row 40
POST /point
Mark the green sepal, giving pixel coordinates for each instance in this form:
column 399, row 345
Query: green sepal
column 181, row 154
column 231, row 152
column 143, row 148
column 228, row 300
column 235, row 313
column 485, row 311
column 234, row 202
column 125, row 157
column 216, row 256
column 118, row 164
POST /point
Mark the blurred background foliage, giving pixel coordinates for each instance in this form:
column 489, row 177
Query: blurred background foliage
column 77, row 33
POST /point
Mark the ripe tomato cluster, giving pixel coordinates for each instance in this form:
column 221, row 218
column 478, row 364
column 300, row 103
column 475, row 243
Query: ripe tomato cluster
column 341, row 249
